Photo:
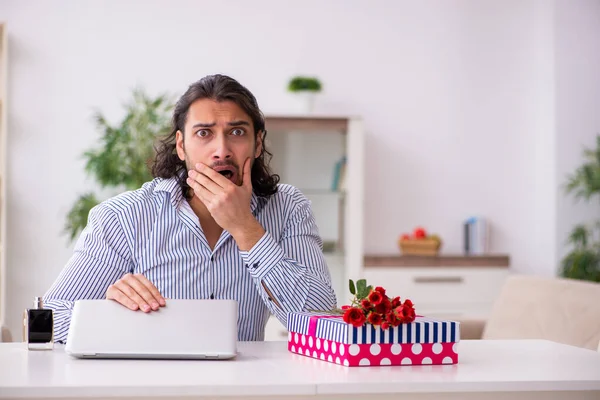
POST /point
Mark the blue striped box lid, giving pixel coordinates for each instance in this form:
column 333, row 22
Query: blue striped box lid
column 422, row 330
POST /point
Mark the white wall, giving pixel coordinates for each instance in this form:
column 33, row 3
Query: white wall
column 457, row 98
column 577, row 105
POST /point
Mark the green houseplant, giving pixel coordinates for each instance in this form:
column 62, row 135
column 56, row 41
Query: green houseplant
column 121, row 162
column 583, row 261
column 304, row 84
column 304, row 89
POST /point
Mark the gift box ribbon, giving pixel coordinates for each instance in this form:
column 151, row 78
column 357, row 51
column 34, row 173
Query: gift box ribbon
column 312, row 323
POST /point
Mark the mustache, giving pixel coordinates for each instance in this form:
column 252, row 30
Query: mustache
column 224, row 163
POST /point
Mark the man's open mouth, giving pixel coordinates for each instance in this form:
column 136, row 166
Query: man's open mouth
column 226, row 173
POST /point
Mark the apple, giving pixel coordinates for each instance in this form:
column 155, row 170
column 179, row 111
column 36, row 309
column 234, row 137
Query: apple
column 405, row 236
column 419, row 233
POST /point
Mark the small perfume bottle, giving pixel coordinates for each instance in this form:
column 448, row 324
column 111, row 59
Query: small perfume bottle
column 39, row 327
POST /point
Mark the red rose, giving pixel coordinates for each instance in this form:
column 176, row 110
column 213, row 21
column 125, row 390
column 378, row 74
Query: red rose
column 408, row 303
column 398, row 313
column 391, row 317
column 384, row 307
column 354, row 316
column 384, row 325
column 374, row 318
column 396, row 302
column 380, row 290
column 375, row 297
column 365, row 304
column 408, row 313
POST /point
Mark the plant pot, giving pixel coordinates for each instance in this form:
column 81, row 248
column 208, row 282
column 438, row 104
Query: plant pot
column 304, row 101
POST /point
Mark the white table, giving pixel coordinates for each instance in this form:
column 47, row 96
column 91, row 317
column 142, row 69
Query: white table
column 487, row 370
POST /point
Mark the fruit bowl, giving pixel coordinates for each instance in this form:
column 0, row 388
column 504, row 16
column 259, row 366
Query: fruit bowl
column 420, row 247
column 419, row 243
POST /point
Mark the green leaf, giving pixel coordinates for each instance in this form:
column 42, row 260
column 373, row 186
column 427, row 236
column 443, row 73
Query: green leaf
column 304, row 83
column 78, row 216
column 585, row 181
column 121, row 158
column 579, row 236
column 362, row 289
column 361, row 285
column 582, row 264
column 352, row 288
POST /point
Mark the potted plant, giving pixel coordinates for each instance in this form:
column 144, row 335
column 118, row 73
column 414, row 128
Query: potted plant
column 122, row 160
column 305, row 88
column 583, row 261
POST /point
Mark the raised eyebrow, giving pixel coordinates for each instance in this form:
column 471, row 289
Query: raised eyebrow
column 204, row 125
column 239, row 123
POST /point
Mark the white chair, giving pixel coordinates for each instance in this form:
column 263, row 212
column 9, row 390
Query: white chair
column 532, row 307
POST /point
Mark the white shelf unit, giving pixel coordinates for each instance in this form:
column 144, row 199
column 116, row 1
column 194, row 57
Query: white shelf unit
column 305, row 151
column 3, row 170
column 448, row 287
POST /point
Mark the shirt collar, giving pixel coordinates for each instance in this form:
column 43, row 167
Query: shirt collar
column 172, row 187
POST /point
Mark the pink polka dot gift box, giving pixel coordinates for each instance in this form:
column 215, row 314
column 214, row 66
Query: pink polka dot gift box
column 329, row 338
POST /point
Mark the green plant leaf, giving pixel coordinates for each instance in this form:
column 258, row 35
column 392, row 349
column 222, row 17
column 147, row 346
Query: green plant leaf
column 304, row 83
column 352, row 287
column 78, row 216
column 361, row 286
column 585, row 181
column 582, row 264
column 124, row 151
column 579, row 236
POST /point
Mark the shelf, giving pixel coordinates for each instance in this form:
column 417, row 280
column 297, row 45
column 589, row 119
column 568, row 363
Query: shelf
column 491, row 261
column 276, row 123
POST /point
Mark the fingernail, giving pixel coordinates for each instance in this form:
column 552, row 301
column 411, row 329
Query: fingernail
column 162, row 302
column 145, row 307
column 154, row 305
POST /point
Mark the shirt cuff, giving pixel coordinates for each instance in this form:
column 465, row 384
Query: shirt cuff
column 263, row 256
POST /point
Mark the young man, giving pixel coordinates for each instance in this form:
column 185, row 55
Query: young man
column 213, row 224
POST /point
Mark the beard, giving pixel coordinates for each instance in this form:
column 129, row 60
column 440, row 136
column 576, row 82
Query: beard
column 231, row 165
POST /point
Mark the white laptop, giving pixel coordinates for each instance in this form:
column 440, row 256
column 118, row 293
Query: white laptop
column 183, row 329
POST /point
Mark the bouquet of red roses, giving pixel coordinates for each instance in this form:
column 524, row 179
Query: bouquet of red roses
column 373, row 306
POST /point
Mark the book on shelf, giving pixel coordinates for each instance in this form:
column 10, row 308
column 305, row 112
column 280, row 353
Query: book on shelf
column 339, row 175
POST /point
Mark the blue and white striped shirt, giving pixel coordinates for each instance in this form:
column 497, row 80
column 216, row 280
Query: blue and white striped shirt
column 153, row 231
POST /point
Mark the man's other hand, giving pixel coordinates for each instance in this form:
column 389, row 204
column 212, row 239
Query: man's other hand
column 135, row 292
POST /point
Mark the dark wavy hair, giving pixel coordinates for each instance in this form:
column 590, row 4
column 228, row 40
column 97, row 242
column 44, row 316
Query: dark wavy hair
column 167, row 164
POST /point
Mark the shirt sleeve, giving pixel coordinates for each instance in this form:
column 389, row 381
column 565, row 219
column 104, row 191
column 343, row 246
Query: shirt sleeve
column 101, row 257
column 293, row 269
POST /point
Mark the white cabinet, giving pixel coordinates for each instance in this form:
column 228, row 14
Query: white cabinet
column 306, row 150
column 442, row 289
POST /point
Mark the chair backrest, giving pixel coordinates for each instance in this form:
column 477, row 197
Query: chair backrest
column 562, row 310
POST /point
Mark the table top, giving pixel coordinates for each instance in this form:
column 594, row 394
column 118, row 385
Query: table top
column 267, row 368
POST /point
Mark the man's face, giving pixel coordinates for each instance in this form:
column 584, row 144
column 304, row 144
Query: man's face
column 220, row 135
